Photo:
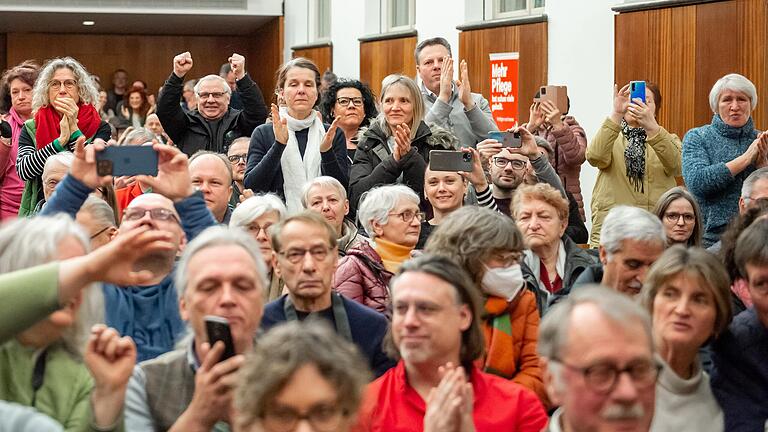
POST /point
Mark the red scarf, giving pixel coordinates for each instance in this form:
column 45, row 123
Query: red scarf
column 47, row 123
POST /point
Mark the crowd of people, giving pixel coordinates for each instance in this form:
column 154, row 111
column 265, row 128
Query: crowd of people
column 364, row 289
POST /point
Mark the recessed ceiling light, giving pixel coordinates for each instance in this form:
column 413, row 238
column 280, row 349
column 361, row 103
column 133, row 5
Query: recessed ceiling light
column 89, row 23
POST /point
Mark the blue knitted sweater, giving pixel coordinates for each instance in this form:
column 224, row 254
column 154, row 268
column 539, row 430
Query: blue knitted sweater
column 706, row 150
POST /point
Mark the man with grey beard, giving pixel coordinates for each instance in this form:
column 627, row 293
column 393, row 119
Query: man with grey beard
column 148, row 313
column 598, row 360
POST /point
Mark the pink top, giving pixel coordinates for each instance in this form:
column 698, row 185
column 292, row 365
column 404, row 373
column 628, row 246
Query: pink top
column 11, row 186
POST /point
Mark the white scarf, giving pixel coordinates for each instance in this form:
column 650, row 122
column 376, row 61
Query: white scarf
column 296, row 172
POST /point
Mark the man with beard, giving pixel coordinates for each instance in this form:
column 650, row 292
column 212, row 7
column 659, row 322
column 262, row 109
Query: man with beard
column 148, row 313
column 509, row 167
column 586, row 344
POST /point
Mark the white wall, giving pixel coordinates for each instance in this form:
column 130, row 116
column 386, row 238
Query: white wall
column 296, row 25
column 344, row 33
column 440, row 18
column 581, row 39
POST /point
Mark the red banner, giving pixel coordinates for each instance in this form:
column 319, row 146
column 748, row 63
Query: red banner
column 504, row 78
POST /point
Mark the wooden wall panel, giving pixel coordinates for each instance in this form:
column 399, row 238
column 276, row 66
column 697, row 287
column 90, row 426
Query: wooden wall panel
column 685, row 50
column 322, row 56
column 530, row 40
column 149, row 57
column 3, row 53
column 384, row 57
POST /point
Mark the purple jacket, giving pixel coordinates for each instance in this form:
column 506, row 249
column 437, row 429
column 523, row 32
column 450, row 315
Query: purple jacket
column 361, row 277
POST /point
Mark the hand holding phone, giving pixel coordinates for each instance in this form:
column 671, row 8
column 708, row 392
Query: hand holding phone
column 218, row 329
column 637, row 90
column 127, row 160
column 507, row 139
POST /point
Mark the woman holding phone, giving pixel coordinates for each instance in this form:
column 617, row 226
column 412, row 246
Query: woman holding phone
column 638, row 159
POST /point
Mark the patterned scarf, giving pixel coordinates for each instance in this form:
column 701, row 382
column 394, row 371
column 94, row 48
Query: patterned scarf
column 634, row 155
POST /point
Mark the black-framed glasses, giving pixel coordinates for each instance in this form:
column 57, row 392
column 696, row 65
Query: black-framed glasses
column 602, row 377
column 136, row 213
column 238, row 157
column 319, row 253
column 688, row 218
column 344, row 101
column 98, row 233
column 216, row 95
column 501, row 162
column 408, row 215
column 68, row 84
column 322, row 418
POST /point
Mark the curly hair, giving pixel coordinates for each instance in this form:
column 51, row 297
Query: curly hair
column 328, row 100
column 26, row 71
column 87, row 89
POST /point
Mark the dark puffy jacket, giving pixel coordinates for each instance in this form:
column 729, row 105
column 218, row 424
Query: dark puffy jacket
column 361, row 276
column 374, row 164
column 191, row 132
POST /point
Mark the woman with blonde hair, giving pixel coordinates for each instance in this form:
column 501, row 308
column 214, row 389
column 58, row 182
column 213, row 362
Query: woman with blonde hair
column 63, row 110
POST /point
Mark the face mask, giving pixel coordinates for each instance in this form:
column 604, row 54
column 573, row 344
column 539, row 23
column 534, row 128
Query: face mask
column 504, row 282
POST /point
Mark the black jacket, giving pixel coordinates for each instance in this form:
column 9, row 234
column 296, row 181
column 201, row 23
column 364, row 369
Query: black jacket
column 370, row 169
column 191, row 132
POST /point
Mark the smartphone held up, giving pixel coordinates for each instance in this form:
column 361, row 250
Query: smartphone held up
column 507, row 139
column 127, row 160
column 450, row 160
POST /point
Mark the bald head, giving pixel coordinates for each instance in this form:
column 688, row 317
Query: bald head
column 211, row 173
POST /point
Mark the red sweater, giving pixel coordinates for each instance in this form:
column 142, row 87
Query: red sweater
column 390, row 404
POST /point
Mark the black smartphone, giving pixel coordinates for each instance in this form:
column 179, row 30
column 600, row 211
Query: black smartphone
column 449, row 160
column 218, row 330
column 507, row 139
column 127, row 160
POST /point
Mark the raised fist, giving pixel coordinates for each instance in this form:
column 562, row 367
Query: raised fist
column 182, row 63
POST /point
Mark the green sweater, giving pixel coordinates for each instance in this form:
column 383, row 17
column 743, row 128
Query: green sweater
column 28, row 296
column 65, row 391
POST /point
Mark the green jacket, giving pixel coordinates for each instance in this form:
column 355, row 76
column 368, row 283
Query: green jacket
column 663, row 162
column 28, row 296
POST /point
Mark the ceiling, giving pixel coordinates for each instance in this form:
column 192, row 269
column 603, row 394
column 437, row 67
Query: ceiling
column 130, row 23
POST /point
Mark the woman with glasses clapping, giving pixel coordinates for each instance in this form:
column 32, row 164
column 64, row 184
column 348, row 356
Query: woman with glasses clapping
column 354, row 104
column 391, row 217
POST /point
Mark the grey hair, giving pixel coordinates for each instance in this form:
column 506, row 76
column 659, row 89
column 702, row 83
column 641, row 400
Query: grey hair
column 219, row 236
column 379, row 201
column 190, row 85
column 87, row 89
column 285, row 349
column 617, row 307
column 630, row 223
column 254, row 207
column 26, row 243
column 414, row 94
column 749, row 182
column 734, row 82
column 139, row 136
column 237, row 140
column 222, row 81
column 99, row 210
column 64, row 158
column 322, row 181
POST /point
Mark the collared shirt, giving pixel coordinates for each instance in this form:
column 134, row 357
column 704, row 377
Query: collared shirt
column 391, row 404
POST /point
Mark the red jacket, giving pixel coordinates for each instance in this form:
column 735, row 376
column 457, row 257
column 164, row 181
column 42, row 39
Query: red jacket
column 361, row 276
column 390, row 404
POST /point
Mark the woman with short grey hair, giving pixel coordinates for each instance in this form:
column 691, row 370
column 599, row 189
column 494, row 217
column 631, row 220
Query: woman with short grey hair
column 718, row 157
column 63, row 110
column 43, row 365
column 391, row 217
column 327, row 196
column 256, row 215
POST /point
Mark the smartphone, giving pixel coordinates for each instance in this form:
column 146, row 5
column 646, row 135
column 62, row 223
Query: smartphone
column 637, row 90
column 558, row 95
column 507, row 139
column 218, row 330
column 448, row 160
column 127, row 160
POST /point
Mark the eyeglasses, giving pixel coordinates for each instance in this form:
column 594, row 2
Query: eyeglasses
column 408, row 215
column 99, row 232
column 136, row 213
column 238, row 157
column 502, row 163
column 255, row 228
column 216, row 95
column 68, row 84
column 322, row 418
column 344, row 101
column 602, row 378
column 319, row 253
column 688, row 218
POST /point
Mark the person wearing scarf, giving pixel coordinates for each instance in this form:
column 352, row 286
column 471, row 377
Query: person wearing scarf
column 16, row 87
column 638, row 159
column 295, row 148
column 63, row 111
